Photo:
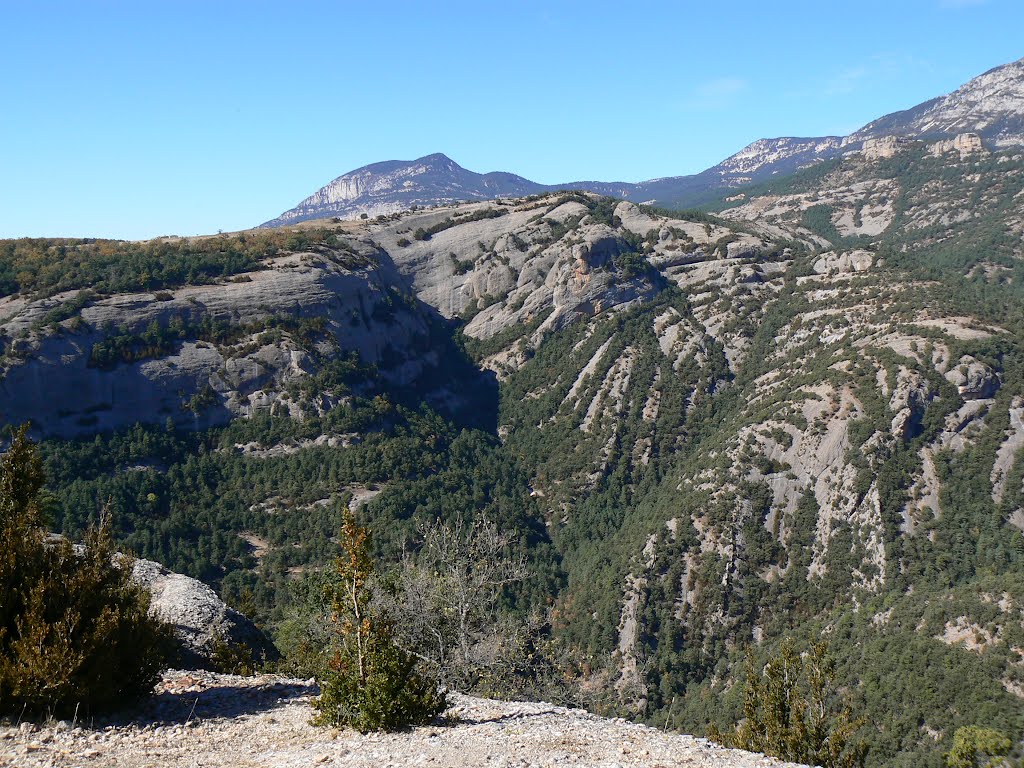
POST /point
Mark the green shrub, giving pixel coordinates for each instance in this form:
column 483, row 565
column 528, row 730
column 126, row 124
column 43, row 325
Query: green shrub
column 790, row 712
column 75, row 633
column 975, row 747
column 230, row 658
column 371, row 684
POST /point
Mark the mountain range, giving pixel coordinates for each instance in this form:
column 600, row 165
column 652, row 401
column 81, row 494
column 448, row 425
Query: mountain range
column 990, row 105
column 794, row 415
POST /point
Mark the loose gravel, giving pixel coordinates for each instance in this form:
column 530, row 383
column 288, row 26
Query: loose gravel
column 201, row 719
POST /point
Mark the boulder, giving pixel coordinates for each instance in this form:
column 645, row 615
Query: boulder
column 974, row 380
column 200, row 619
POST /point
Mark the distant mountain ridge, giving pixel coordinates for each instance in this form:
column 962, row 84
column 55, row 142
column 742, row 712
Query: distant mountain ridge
column 399, row 185
column 990, row 105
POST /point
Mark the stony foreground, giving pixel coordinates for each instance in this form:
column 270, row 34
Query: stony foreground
column 204, row 719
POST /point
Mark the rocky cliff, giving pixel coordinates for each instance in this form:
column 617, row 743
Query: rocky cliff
column 238, row 344
column 800, row 417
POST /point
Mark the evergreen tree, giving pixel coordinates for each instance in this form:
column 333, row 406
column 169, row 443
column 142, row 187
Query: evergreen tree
column 75, row 632
column 371, row 684
column 790, row 712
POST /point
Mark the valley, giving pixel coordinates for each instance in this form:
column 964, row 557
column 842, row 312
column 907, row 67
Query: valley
column 793, row 413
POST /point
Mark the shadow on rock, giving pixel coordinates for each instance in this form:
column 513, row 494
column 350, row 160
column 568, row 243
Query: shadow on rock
column 188, row 699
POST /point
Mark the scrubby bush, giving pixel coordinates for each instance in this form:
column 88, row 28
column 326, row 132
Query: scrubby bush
column 371, row 684
column 976, row 747
column 75, row 633
column 792, row 712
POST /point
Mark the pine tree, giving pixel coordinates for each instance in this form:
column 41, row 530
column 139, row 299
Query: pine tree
column 790, row 712
column 371, row 684
column 75, row 632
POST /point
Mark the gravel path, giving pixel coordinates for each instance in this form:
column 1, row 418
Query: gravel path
column 199, row 719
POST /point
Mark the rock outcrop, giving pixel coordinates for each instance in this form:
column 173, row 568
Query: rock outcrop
column 201, row 620
column 964, row 144
column 54, row 380
column 881, row 148
column 831, row 263
column 974, row 380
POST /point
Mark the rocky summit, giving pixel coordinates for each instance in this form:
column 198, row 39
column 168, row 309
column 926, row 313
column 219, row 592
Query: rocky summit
column 398, row 185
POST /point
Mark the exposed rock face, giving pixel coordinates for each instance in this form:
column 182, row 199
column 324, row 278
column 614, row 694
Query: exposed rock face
column 847, row 261
column 356, row 303
column 991, row 105
column 973, row 380
column 200, row 618
column 878, row 149
column 775, row 157
column 965, row 144
column 398, row 185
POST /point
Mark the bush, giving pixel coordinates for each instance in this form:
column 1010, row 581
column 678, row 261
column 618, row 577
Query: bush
column 371, row 684
column 447, row 602
column 976, row 747
column 75, row 632
column 790, row 712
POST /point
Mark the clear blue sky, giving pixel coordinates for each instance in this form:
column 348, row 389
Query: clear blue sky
column 139, row 118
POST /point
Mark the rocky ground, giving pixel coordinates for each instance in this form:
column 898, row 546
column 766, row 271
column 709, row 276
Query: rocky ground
column 205, row 719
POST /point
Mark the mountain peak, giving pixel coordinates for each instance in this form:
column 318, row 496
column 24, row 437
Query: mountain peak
column 990, row 105
column 397, row 185
column 438, row 158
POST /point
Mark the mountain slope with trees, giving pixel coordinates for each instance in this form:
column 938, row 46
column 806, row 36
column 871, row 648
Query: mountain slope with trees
column 797, row 415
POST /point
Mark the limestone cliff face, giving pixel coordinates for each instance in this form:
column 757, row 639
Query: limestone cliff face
column 964, row 144
column 776, row 157
column 53, row 380
column 991, row 105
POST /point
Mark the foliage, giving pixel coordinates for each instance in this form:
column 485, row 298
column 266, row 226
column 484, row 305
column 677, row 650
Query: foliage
column 74, row 629
column 43, row 267
column 976, row 747
column 686, row 439
column 448, row 597
column 231, row 658
column 125, row 346
column 371, row 684
column 790, row 712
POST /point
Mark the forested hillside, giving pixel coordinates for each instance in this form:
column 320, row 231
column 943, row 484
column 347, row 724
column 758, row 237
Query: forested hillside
column 799, row 416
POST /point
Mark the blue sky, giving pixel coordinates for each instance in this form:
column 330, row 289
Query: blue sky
column 136, row 119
